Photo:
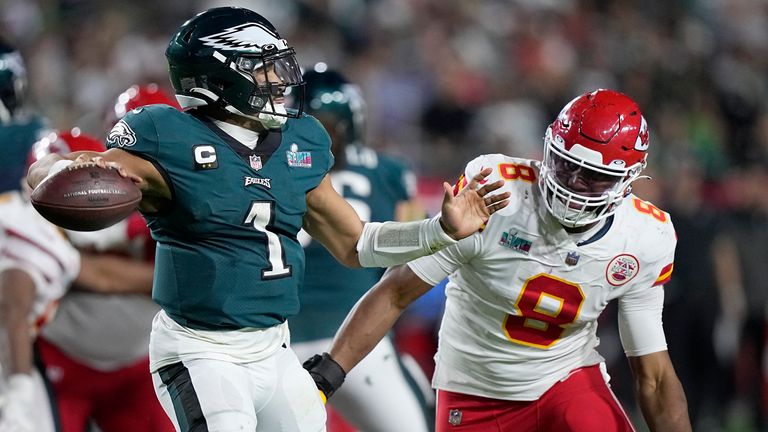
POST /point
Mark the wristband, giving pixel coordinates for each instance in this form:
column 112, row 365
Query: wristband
column 326, row 373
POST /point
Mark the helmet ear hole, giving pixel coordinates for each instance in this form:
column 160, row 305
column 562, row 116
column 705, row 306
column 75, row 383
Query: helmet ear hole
column 188, row 35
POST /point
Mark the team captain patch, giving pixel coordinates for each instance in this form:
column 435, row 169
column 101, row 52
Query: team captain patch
column 622, row 269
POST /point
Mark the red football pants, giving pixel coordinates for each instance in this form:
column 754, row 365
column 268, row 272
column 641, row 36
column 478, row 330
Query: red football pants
column 581, row 403
column 118, row 401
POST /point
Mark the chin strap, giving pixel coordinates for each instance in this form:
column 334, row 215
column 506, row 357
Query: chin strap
column 273, row 121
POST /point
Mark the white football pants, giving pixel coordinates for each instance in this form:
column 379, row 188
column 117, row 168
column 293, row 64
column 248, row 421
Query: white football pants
column 274, row 394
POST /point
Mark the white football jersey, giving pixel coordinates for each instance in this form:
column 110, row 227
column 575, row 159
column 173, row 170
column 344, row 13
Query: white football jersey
column 30, row 243
column 523, row 297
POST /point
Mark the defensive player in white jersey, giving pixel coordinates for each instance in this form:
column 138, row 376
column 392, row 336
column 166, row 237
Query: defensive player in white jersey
column 37, row 263
column 518, row 340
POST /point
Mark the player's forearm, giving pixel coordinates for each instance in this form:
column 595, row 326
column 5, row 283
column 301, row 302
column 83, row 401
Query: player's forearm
column 114, row 275
column 393, row 243
column 19, row 335
column 664, row 405
column 374, row 315
column 16, row 296
column 369, row 321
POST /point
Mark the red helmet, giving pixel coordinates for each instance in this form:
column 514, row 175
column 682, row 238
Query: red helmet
column 64, row 143
column 137, row 96
column 593, row 151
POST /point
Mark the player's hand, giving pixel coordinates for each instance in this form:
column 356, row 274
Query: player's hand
column 326, row 373
column 463, row 214
column 16, row 408
column 86, row 159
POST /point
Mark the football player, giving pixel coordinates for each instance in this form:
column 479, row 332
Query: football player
column 517, row 345
column 19, row 126
column 378, row 187
column 92, row 376
column 227, row 184
column 37, row 264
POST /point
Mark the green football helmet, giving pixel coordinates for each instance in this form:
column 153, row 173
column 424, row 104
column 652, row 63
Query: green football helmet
column 233, row 59
column 13, row 83
column 336, row 102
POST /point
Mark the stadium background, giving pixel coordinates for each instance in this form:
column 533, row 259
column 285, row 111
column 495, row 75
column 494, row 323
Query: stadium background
column 446, row 80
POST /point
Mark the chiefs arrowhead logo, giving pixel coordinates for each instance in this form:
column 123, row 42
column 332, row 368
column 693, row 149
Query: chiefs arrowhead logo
column 642, row 141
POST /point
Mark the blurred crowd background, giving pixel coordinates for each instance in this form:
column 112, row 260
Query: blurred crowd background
column 446, row 80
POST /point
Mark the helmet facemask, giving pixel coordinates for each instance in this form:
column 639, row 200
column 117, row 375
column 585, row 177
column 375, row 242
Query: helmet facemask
column 272, row 77
column 600, row 188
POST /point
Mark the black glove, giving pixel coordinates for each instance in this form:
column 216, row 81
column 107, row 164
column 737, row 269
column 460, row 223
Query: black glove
column 328, row 375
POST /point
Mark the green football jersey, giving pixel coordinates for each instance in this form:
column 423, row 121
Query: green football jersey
column 373, row 184
column 17, row 138
column 227, row 252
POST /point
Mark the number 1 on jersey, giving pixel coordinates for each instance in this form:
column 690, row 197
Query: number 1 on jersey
column 261, row 216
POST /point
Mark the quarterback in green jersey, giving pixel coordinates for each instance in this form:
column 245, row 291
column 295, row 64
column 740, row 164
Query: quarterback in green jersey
column 379, row 188
column 227, row 185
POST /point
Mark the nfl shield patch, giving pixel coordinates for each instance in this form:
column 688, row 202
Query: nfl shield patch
column 255, row 162
column 454, row 417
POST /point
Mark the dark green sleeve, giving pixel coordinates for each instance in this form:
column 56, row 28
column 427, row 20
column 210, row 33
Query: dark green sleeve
column 135, row 133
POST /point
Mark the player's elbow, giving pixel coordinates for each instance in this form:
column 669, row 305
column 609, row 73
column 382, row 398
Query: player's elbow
column 402, row 286
column 349, row 259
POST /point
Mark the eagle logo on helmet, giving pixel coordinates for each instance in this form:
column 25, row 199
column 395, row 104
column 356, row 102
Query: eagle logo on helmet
column 121, row 135
column 244, row 37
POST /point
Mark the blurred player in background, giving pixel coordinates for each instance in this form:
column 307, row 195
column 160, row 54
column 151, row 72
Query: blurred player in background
column 518, row 340
column 19, row 127
column 227, row 185
column 95, row 350
column 379, row 188
column 37, row 264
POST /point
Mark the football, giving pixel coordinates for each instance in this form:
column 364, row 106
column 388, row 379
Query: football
column 86, row 198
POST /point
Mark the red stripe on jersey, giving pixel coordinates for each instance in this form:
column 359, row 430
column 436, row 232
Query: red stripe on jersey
column 665, row 275
column 15, row 234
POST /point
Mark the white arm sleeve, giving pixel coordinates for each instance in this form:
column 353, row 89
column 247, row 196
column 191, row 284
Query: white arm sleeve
column 434, row 268
column 640, row 325
column 391, row 243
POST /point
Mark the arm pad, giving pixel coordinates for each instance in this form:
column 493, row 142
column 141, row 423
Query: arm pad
column 392, row 243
